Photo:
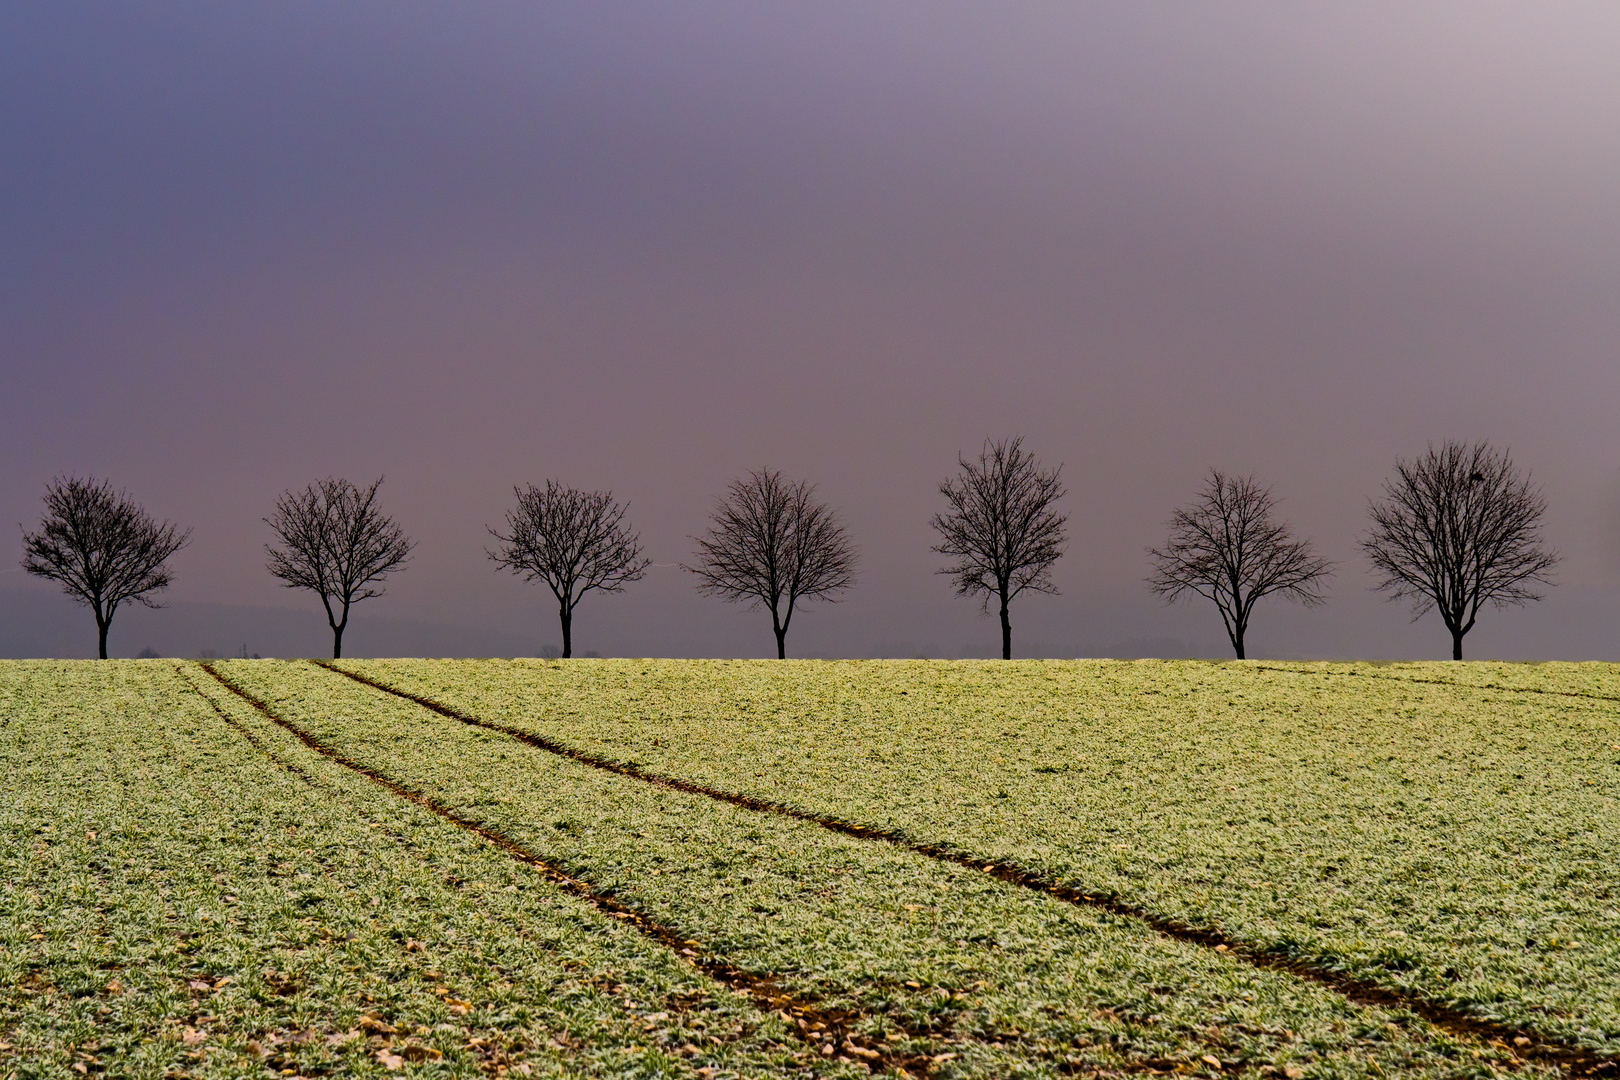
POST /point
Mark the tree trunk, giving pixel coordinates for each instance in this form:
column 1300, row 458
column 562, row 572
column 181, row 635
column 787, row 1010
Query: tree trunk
column 1456, row 644
column 779, row 628
column 568, row 632
column 337, row 627
column 1006, row 631
column 101, row 635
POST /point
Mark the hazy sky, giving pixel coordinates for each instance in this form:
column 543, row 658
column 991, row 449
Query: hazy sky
column 648, row 246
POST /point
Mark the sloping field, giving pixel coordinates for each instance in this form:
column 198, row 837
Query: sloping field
column 1446, row 831
column 194, row 892
column 766, row 869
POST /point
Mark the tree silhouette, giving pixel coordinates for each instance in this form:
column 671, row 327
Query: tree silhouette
column 1001, row 527
column 574, row 541
column 101, row 547
column 773, row 544
column 1459, row 527
column 336, row 542
column 1227, row 548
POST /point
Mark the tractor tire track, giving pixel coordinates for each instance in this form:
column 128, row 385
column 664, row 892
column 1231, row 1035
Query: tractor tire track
column 243, row 730
column 1516, row 1043
column 1443, row 682
column 803, row 1017
column 309, row 778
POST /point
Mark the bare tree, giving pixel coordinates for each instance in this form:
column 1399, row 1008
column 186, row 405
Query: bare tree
column 1227, row 548
column 574, row 541
column 773, row 544
column 1459, row 527
column 1001, row 527
column 335, row 541
column 102, row 547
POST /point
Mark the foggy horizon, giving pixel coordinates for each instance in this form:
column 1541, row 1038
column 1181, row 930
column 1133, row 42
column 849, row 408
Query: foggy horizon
column 644, row 249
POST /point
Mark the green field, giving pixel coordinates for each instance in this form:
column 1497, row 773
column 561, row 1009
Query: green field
column 692, row 868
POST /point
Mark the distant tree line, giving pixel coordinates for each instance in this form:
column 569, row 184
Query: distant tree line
column 1456, row 529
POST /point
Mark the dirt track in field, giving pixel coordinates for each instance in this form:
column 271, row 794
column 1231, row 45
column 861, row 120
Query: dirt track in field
column 1514, row 1042
column 816, row 1026
column 1439, row 682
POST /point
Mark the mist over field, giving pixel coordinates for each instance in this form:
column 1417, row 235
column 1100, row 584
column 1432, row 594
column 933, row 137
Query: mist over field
column 647, row 248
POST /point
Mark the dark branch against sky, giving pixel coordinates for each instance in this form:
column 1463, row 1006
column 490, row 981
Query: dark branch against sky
column 638, row 247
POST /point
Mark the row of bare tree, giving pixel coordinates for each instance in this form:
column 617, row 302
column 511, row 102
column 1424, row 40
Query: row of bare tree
column 1457, row 529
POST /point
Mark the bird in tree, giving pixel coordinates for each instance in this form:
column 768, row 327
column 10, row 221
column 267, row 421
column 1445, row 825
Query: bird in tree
column 1459, row 528
column 1001, row 527
column 772, row 543
column 333, row 539
column 102, row 548
column 1228, row 548
column 572, row 540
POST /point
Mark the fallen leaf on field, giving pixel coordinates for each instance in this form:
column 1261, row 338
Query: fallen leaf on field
column 417, row 1052
column 115, row 987
column 191, row 1036
column 390, row 1061
column 375, row 1025
column 1293, row 1072
column 1520, row 1040
column 199, row 984
column 1211, row 1059
column 940, row 1059
column 257, row 1050
column 414, row 946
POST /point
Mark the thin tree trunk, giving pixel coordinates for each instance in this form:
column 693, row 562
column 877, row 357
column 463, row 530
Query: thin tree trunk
column 779, row 628
column 1456, row 644
column 568, row 632
column 337, row 627
column 1006, row 631
column 101, row 636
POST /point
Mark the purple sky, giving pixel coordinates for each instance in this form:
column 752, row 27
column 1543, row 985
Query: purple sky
column 647, row 246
